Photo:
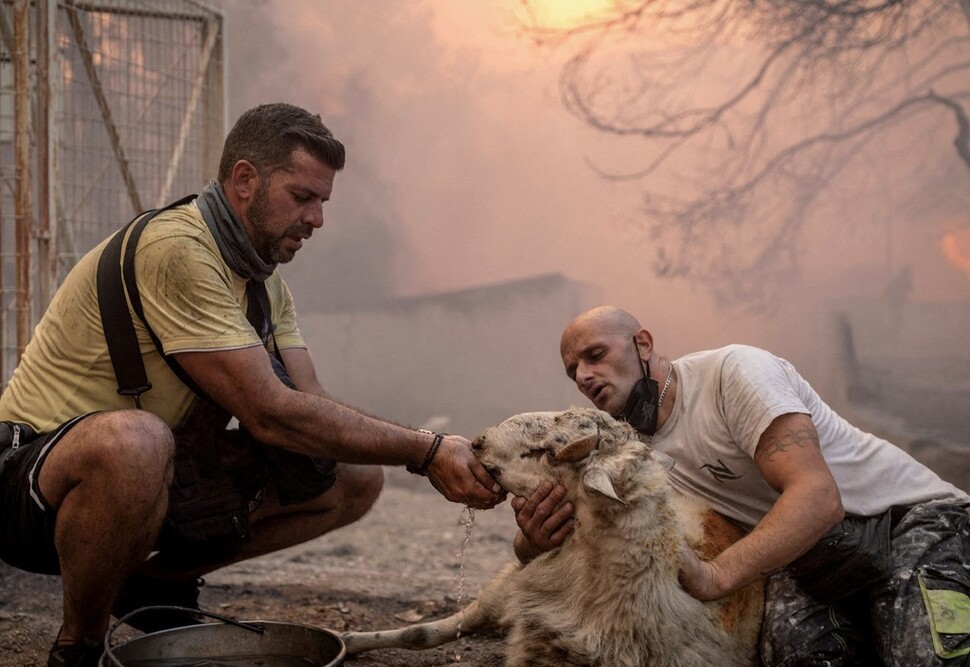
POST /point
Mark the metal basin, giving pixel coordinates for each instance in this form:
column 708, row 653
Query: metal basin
column 230, row 644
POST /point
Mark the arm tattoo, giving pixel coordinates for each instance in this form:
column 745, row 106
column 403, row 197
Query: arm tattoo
column 779, row 444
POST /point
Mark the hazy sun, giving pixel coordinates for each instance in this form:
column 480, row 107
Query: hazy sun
column 567, row 13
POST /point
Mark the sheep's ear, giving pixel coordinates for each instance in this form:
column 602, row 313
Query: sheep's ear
column 596, row 479
column 577, row 450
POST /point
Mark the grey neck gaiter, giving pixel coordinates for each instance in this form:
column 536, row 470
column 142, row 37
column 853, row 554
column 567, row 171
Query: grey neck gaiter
column 234, row 245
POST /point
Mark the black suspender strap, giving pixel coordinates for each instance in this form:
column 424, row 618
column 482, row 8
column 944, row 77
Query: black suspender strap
column 119, row 331
column 131, row 286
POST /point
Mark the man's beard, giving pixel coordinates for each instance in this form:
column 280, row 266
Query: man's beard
column 270, row 249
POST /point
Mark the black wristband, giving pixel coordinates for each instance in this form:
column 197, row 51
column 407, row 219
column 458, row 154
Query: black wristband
column 429, row 457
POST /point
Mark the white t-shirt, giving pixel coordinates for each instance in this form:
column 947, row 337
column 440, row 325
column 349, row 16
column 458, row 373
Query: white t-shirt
column 725, row 400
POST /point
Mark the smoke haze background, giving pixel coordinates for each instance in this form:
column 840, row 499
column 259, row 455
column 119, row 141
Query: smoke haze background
column 464, row 169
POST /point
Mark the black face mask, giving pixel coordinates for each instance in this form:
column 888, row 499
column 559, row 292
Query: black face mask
column 642, row 408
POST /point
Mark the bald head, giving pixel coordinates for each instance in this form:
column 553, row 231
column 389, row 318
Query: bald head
column 603, row 319
column 599, row 355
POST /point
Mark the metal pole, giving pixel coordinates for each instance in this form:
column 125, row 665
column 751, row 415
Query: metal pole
column 214, row 113
column 6, row 34
column 22, row 160
column 46, row 231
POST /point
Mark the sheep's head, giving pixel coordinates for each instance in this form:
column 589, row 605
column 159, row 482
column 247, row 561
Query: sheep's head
column 579, row 446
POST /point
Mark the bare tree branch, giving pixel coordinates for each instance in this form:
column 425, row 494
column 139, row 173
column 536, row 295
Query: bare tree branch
column 755, row 107
column 962, row 140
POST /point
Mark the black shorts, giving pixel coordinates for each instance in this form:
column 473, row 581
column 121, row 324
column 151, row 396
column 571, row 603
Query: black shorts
column 26, row 518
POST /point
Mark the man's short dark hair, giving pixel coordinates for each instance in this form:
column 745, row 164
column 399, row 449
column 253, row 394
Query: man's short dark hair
column 268, row 134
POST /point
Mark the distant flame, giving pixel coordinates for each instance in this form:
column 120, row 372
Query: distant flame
column 956, row 249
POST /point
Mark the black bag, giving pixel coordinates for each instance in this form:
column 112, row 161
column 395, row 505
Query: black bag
column 219, row 478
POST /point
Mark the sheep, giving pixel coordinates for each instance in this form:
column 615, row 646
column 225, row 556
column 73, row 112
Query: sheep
column 610, row 594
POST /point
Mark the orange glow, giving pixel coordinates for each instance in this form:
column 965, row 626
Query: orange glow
column 564, row 14
column 956, row 249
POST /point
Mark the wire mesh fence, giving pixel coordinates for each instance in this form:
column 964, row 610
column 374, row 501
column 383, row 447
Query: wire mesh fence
column 107, row 108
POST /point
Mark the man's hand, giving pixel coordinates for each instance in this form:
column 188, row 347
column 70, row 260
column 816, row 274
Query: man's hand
column 544, row 520
column 698, row 577
column 459, row 477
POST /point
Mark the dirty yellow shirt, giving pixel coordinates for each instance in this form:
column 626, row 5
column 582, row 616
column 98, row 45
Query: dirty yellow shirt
column 191, row 298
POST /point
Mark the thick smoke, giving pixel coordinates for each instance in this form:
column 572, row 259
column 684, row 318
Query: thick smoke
column 464, row 170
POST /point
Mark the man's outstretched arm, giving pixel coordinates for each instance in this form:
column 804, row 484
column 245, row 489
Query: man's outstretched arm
column 307, row 421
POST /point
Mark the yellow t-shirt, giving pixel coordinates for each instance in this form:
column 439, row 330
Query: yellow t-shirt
column 191, row 298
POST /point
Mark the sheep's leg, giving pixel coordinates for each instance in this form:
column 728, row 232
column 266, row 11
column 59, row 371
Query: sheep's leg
column 481, row 615
column 418, row 636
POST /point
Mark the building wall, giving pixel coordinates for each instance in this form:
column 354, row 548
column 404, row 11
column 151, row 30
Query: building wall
column 457, row 361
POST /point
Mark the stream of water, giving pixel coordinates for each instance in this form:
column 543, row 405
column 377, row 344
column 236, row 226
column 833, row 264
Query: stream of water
column 467, row 522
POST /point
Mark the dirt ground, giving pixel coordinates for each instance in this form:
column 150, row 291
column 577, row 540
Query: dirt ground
column 397, row 565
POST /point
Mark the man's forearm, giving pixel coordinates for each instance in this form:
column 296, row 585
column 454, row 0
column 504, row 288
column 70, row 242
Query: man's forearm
column 323, row 427
column 790, row 459
column 798, row 519
column 244, row 383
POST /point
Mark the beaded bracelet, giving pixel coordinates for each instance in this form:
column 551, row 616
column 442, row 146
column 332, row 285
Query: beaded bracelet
column 429, row 457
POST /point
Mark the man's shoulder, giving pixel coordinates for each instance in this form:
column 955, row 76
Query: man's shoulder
column 734, row 353
column 739, row 365
column 180, row 232
column 181, row 221
column 720, row 355
column 741, row 354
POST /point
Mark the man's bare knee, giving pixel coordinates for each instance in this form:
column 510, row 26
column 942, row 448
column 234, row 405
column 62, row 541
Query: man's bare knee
column 132, row 449
column 131, row 440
